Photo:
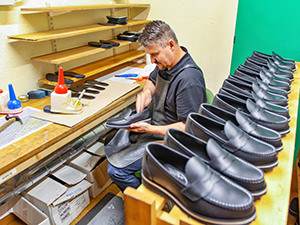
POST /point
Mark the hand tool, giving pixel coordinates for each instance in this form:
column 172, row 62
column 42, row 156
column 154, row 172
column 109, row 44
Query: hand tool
column 127, row 75
column 10, row 120
column 138, row 78
column 80, row 96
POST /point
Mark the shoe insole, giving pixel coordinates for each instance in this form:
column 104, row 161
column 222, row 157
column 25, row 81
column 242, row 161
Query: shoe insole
column 79, row 89
column 77, row 94
column 91, row 86
column 72, row 74
column 176, row 173
column 54, row 77
column 96, row 82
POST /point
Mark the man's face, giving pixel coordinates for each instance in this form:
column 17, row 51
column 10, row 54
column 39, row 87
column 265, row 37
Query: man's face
column 162, row 57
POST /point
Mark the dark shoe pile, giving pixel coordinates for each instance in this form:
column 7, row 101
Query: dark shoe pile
column 213, row 171
column 129, row 36
column 117, row 20
column 106, row 44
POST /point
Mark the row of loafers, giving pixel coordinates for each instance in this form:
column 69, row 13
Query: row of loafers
column 189, row 174
column 207, row 177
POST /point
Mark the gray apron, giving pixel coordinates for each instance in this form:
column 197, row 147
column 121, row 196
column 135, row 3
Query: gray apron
column 126, row 147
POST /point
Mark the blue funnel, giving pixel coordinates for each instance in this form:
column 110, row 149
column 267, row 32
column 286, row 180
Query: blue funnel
column 13, row 103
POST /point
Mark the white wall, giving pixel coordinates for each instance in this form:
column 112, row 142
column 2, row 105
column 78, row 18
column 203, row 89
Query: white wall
column 206, row 28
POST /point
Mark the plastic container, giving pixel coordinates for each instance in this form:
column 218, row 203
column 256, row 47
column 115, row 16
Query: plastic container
column 4, row 98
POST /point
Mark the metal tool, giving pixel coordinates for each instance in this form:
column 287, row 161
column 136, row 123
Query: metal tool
column 10, row 120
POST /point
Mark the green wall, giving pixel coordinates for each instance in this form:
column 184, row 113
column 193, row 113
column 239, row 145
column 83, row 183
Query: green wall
column 267, row 26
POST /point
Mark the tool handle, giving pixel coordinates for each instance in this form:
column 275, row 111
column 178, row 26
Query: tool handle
column 7, row 124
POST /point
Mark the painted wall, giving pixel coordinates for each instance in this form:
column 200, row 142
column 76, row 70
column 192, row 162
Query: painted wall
column 206, row 28
column 267, row 26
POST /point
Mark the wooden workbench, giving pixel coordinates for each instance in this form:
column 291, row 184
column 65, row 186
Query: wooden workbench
column 145, row 207
column 30, row 150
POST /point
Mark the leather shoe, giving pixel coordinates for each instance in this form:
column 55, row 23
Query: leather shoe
column 236, row 169
column 247, row 88
column 276, row 99
column 240, row 120
column 125, row 119
column 280, row 110
column 272, row 89
column 283, row 59
column 273, row 82
column 273, row 67
column 233, row 139
column 279, row 78
column 195, row 188
column 254, row 112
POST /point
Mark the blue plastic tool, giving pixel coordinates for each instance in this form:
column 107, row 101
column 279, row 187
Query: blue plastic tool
column 127, row 75
column 13, row 103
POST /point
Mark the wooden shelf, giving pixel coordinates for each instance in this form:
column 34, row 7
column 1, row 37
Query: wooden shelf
column 82, row 7
column 74, row 53
column 99, row 66
column 71, row 31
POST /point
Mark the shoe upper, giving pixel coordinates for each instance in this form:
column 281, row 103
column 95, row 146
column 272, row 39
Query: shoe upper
column 238, row 170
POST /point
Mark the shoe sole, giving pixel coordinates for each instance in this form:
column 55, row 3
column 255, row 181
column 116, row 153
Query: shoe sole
column 166, row 194
column 284, row 132
column 259, row 193
column 125, row 126
column 268, row 166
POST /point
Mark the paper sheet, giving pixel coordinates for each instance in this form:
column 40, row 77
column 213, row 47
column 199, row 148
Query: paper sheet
column 16, row 131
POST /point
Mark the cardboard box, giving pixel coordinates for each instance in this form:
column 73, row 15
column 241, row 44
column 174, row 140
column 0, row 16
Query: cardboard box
column 61, row 202
column 18, row 210
column 93, row 163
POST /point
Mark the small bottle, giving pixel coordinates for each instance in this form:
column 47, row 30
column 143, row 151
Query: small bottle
column 61, row 96
column 4, row 98
column 14, row 105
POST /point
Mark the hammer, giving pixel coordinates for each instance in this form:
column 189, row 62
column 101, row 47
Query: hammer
column 10, row 120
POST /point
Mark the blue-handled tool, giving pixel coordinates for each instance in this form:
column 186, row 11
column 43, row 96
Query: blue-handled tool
column 127, row 75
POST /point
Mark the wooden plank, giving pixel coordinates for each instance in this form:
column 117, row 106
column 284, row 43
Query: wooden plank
column 71, row 31
column 74, row 53
column 82, row 7
column 99, row 66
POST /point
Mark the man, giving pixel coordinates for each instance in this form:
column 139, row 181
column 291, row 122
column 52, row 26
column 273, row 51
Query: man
column 175, row 88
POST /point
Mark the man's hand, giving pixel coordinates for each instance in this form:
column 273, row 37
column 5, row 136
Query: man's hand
column 140, row 127
column 143, row 127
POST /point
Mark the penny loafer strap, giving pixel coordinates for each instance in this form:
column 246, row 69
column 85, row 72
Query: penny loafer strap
column 201, row 187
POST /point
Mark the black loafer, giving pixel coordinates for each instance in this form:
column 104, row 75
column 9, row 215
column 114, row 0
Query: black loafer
column 283, row 59
column 284, row 64
column 239, row 119
column 279, row 71
column 273, row 90
column 276, row 99
column 280, row 110
column 267, row 118
column 251, row 64
column 254, row 112
column 273, row 82
column 233, row 139
column 124, row 120
column 195, row 188
column 279, row 78
column 227, row 164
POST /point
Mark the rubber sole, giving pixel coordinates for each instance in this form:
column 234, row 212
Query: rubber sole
column 165, row 193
